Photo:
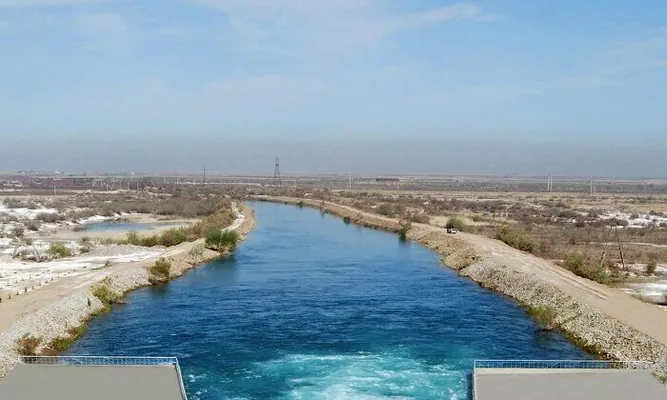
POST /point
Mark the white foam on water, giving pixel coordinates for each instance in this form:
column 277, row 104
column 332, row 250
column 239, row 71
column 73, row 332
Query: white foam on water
column 366, row 376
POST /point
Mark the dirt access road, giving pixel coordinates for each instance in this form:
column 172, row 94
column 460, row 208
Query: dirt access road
column 24, row 304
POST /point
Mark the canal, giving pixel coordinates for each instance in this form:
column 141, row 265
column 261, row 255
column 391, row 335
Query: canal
column 312, row 308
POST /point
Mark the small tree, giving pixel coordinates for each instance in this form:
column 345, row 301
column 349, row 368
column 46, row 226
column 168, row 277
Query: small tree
column 221, row 241
column 18, row 233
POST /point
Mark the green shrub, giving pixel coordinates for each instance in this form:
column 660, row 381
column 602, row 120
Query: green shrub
column 106, row 295
column 161, row 270
column 59, row 250
column 420, row 218
column 196, row 253
column 457, row 222
column 27, row 345
column 149, row 241
column 18, row 232
column 346, row 220
column 221, row 241
column 49, row 217
column 173, row 237
column 516, row 239
column 576, row 262
column 545, row 316
column 385, row 209
column 61, row 344
column 32, row 225
column 133, row 238
column 78, row 331
column 405, row 226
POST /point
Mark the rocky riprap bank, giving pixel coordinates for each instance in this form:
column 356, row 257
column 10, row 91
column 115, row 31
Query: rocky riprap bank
column 593, row 330
column 55, row 319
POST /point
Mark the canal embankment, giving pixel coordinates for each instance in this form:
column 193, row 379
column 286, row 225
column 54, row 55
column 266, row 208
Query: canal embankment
column 72, row 303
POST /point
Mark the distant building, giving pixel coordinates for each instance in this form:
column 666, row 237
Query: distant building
column 387, row 180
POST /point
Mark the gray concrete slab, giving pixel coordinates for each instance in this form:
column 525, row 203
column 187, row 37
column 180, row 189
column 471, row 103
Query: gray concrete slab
column 65, row 382
column 523, row 384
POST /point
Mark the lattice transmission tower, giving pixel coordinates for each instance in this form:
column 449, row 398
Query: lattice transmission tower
column 277, row 180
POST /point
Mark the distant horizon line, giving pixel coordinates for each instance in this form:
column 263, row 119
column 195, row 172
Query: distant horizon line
column 236, row 174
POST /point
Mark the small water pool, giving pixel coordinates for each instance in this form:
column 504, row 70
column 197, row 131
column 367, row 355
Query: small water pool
column 127, row 226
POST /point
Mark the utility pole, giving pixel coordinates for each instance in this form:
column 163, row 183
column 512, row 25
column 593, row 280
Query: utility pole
column 349, row 185
column 592, row 185
column 204, row 181
column 620, row 248
column 548, row 183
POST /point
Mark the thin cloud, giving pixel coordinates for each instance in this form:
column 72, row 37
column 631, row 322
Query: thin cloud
column 623, row 63
column 31, row 3
column 638, row 54
column 330, row 27
column 439, row 15
column 104, row 23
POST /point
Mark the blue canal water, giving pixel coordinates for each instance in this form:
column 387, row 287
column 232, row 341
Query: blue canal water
column 312, row 308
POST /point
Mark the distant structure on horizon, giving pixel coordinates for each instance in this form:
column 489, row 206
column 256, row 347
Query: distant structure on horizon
column 277, row 180
column 390, row 180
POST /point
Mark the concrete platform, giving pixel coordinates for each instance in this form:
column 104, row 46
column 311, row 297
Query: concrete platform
column 68, row 382
column 571, row 384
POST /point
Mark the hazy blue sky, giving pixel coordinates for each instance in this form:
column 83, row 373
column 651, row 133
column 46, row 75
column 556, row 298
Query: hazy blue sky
column 529, row 86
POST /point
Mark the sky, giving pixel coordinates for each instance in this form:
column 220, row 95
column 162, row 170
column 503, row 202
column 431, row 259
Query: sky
column 564, row 87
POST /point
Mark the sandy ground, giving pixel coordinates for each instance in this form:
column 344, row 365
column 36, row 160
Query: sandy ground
column 72, row 281
column 646, row 318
